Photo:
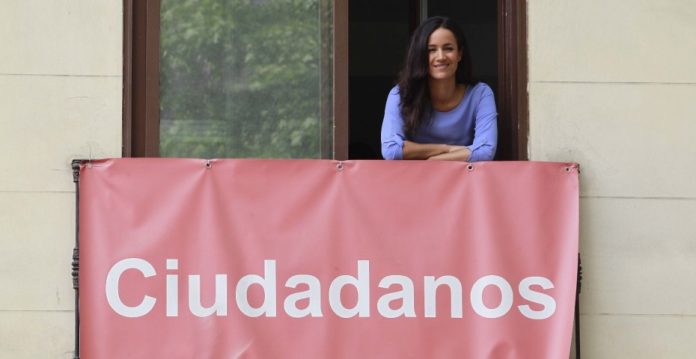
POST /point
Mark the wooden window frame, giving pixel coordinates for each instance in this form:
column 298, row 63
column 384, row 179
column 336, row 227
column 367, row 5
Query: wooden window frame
column 141, row 123
column 141, row 32
column 513, row 100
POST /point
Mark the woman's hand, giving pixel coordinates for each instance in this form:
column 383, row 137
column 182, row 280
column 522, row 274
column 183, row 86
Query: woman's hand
column 423, row 151
column 435, row 151
column 455, row 153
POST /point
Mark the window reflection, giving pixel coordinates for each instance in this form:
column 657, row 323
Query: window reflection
column 243, row 78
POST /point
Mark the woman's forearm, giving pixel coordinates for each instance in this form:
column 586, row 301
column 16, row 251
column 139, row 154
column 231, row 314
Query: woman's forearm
column 423, row 151
column 461, row 154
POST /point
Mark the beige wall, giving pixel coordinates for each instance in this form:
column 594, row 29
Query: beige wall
column 613, row 87
column 60, row 98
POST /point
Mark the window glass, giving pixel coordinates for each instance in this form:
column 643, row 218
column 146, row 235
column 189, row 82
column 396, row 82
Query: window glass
column 245, row 78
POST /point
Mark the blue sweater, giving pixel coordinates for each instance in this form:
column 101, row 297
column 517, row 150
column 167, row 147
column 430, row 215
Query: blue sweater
column 472, row 124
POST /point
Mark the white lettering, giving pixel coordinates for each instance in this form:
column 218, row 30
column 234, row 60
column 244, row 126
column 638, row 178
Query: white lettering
column 220, row 305
column 172, row 289
column 405, row 295
column 112, row 283
column 361, row 283
column 313, row 294
column 399, row 301
column 505, row 296
column 268, row 283
column 545, row 300
column 455, row 287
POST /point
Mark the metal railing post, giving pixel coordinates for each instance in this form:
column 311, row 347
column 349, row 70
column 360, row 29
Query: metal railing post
column 76, row 256
column 577, row 309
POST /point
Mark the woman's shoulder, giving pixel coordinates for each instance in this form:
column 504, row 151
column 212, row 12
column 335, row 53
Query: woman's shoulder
column 394, row 98
column 394, row 91
column 481, row 89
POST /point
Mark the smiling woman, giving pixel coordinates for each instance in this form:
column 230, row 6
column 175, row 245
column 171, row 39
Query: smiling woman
column 438, row 111
column 443, row 55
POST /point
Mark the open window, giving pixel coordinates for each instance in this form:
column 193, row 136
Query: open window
column 296, row 79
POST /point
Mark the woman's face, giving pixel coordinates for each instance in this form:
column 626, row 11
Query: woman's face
column 443, row 54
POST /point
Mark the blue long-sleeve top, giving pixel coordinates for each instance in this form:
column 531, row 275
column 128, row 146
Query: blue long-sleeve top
column 472, row 123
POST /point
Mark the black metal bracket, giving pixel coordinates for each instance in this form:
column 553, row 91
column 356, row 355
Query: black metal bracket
column 76, row 165
column 577, row 309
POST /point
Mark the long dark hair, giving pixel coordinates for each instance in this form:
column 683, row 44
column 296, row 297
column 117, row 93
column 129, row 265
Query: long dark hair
column 413, row 80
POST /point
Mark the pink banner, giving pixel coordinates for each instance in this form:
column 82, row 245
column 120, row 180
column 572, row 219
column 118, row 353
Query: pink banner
column 184, row 258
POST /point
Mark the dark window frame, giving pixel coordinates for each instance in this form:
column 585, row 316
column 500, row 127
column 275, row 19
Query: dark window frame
column 512, row 96
column 141, row 32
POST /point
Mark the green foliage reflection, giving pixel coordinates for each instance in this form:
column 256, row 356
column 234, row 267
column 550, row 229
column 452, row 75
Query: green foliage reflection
column 240, row 78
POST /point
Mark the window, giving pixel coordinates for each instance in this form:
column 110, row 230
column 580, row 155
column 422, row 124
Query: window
column 269, row 78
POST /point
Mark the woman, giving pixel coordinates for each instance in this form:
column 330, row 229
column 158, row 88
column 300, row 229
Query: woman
column 437, row 111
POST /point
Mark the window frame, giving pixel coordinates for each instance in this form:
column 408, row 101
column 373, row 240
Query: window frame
column 512, row 96
column 141, row 117
column 141, row 31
